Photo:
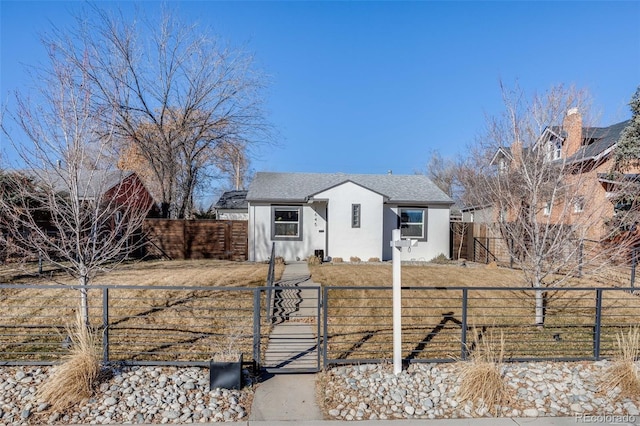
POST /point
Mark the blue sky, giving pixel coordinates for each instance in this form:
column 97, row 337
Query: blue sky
column 367, row 87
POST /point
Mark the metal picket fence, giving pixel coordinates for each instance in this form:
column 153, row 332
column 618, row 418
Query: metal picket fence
column 171, row 325
column 443, row 324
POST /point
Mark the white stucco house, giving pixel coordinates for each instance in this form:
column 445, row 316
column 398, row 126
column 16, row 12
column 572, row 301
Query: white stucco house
column 345, row 215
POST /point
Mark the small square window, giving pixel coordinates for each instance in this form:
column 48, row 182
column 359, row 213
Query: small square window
column 413, row 223
column 355, row 215
column 578, row 205
column 286, row 223
column 547, row 209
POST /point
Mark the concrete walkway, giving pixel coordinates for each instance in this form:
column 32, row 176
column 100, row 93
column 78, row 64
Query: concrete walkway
column 284, row 395
column 290, row 399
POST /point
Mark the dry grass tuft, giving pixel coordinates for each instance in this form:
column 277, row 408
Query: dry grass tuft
column 75, row 379
column 621, row 377
column 374, row 260
column 337, row 260
column 313, row 260
column 355, row 259
column 480, row 378
column 441, row 259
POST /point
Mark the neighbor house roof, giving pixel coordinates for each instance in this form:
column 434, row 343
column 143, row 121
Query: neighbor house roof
column 233, row 200
column 91, row 183
column 301, row 187
column 597, row 141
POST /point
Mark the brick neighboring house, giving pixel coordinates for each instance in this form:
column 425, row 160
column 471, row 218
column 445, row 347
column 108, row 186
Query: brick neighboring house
column 586, row 153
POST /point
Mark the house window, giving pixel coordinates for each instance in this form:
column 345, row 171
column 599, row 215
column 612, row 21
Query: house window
column 413, row 223
column 355, row 215
column 502, row 166
column 547, row 209
column 554, row 149
column 578, row 205
column 286, row 223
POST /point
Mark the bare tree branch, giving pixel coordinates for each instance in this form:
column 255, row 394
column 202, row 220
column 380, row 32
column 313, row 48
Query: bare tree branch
column 174, row 98
column 64, row 202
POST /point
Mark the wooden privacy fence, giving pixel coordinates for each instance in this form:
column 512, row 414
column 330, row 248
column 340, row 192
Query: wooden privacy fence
column 197, row 239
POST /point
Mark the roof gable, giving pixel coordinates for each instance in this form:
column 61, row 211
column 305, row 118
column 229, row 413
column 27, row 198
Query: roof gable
column 343, row 183
column 300, row 187
column 91, row 183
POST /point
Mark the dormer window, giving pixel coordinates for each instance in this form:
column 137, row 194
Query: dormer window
column 502, row 165
column 554, row 149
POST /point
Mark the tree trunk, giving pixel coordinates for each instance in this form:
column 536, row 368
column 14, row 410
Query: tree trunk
column 84, row 300
column 540, row 307
column 164, row 210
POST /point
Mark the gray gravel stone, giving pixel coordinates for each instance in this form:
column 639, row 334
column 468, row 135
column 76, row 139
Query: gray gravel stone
column 428, row 391
column 132, row 395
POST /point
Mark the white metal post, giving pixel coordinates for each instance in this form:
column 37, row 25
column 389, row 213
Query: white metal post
column 397, row 301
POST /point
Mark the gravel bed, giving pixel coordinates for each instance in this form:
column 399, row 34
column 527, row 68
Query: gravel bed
column 360, row 392
column 428, row 391
column 131, row 395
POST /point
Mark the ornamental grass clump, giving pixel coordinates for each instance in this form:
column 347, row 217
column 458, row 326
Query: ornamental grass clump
column 621, row 379
column 480, row 378
column 76, row 378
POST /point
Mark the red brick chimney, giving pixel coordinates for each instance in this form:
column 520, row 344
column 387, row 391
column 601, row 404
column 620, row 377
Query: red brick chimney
column 573, row 127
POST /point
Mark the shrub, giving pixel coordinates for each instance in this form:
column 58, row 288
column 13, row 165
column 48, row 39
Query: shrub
column 621, row 376
column 480, row 378
column 76, row 378
column 313, row 260
column 279, row 260
column 374, row 259
column 355, row 259
column 337, row 260
column 440, row 259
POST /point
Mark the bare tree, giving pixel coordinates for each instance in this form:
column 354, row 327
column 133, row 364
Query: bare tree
column 175, row 95
column 533, row 169
column 233, row 162
column 61, row 201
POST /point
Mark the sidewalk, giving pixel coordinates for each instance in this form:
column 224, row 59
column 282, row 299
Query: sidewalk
column 521, row 421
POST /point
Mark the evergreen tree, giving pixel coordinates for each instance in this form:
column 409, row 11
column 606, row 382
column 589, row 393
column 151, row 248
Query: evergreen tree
column 627, row 152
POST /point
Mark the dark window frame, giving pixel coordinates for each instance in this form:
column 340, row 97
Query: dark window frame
column 299, row 222
column 356, row 215
column 424, row 211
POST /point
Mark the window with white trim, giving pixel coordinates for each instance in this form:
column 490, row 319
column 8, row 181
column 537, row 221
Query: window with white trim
column 547, row 209
column 286, row 223
column 578, row 205
column 355, row 215
column 554, row 149
column 502, row 166
column 413, row 223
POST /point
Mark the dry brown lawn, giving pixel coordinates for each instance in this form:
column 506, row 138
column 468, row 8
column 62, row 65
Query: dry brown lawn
column 360, row 320
column 182, row 320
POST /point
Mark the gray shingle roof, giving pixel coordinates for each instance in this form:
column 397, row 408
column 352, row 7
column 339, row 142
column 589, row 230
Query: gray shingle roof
column 603, row 139
column 92, row 183
column 299, row 187
column 233, row 200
